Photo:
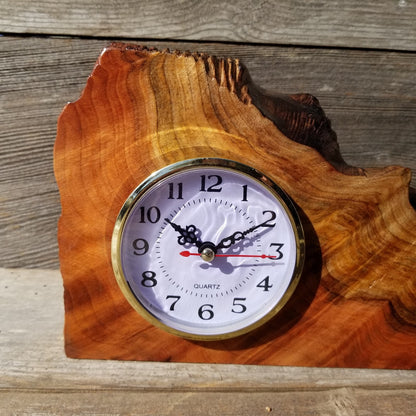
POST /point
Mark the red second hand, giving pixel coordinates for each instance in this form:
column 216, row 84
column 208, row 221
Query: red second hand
column 262, row 256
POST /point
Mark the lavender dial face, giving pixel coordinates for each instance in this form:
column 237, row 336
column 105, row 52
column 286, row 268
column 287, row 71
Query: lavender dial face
column 208, row 249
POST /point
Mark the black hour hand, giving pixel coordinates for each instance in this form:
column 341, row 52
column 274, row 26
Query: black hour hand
column 187, row 234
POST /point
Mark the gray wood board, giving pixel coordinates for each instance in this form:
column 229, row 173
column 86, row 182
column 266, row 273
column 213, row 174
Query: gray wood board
column 384, row 24
column 370, row 96
column 37, row 378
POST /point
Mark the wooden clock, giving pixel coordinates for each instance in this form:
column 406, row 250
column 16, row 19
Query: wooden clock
column 206, row 221
column 208, row 249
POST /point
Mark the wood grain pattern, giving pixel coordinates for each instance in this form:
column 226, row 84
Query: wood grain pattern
column 369, row 96
column 356, row 304
column 384, row 25
column 37, row 378
column 337, row 402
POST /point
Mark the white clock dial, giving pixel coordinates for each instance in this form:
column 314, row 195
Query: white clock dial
column 208, row 249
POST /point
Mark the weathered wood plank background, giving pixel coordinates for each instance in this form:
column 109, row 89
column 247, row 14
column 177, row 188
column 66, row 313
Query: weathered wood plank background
column 358, row 58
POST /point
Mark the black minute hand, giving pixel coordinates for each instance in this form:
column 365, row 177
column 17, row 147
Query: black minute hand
column 187, row 234
column 240, row 235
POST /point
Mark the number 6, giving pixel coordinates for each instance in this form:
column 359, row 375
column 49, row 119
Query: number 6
column 205, row 312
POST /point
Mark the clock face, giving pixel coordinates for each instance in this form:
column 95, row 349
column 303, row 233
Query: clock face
column 208, row 249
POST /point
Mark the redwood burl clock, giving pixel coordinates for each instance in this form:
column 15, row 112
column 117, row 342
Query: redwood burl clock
column 204, row 220
column 208, row 249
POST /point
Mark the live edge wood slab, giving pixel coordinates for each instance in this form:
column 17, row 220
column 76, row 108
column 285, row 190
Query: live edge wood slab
column 143, row 109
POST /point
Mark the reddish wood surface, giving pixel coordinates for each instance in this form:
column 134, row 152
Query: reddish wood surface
column 143, row 109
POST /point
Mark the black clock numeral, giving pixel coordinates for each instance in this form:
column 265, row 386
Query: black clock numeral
column 178, row 188
column 245, row 187
column 278, row 250
column 141, row 246
column 152, row 214
column 176, row 298
column 149, row 279
column 265, row 284
column 268, row 223
column 216, row 181
column 205, row 312
column 238, row 306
